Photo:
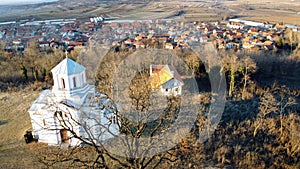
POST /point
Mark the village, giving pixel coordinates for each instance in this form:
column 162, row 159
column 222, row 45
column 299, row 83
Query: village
column 166, row 33
column 67, row 115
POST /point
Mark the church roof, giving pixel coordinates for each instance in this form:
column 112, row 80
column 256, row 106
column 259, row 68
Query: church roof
column 67, row 66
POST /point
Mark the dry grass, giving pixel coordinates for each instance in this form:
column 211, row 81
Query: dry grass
column 152, row 10
column 14, row 121
column 286, row 11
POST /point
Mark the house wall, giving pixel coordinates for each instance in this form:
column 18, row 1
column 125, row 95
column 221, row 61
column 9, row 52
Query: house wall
column 171, row 91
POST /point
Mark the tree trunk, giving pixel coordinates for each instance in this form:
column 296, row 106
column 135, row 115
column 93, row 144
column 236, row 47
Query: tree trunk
column 24, row 72
column 35, row 74
column 245, row 83
column 232, row 79
column 281, row 125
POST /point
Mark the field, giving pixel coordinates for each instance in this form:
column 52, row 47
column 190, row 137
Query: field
column 126, row 10
column 14, row 121
column 286, row 11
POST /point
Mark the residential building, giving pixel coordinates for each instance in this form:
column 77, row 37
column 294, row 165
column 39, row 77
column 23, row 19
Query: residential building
column 166, row 79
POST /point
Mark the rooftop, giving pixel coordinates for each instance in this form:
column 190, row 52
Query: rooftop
column 68, row 66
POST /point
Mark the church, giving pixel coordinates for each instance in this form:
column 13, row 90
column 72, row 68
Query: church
column 73, row 110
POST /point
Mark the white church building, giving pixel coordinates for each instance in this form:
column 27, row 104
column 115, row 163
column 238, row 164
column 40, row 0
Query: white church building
column 73, row 109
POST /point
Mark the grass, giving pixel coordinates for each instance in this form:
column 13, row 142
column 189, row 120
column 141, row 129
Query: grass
column 232, row 144
column 14, row 152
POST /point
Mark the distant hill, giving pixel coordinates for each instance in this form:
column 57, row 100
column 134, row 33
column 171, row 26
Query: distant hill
column 24, row 2
column 286, row 11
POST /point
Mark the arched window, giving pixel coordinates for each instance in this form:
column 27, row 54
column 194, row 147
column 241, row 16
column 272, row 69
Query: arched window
column 63, row 83
column 44, row 122
column 74, row 82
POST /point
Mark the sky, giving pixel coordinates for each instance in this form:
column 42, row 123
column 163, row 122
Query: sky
column 20, row 2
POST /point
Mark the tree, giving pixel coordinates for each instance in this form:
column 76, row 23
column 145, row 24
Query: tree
column 267, row 105
column 2, row 48
column 291, row 37
column 285, row 100
column 24, row 72
column 193, row 63
column 44, row 73
column 274, row 101
column 98, row 156
column 31, row 57
column 137, row 123
column 231, row 64
column 248, row 66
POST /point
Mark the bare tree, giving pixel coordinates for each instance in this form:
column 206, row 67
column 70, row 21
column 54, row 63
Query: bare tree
column 231, row 64
column 94, row 129
column 31, row 55
column 291, row 37
column 248, row 67
column 274, row 101
column 267, row 105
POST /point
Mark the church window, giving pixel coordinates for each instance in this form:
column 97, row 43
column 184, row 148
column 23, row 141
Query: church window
column 74, row 82
column 44, row 122
column 63, row 83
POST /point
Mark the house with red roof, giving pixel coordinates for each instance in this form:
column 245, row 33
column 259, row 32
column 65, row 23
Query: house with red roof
column 165, row 79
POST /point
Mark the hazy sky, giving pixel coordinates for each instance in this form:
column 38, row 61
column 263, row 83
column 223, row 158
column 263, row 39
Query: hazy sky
column 15, row 2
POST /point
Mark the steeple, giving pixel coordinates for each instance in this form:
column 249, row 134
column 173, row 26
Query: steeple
column 68, row 75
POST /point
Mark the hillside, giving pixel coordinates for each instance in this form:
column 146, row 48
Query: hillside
column 286, row 11
column 14, row 121
column 248, row 135
column 260, row 124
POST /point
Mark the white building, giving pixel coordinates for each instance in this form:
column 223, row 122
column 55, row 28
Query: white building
column 245, row 22
column 235, row 25
column 72, row 105
column 166, row 79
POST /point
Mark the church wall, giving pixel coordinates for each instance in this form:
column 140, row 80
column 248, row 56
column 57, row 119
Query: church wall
column 43, row 127
column 78, row 80
column 45, row 122
column 58, row 82
column 69, row 82
column 102, row 125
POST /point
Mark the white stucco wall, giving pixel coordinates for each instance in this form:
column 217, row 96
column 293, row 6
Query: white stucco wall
column 171, row 91
column 70, row 101
column 80, row 79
